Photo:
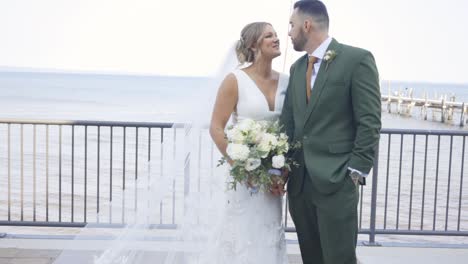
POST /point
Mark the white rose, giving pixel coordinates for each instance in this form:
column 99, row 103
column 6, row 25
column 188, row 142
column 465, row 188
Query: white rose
column 273, row 140
column 246, row 125
column 256, row 132
column 238, row 151
column 252, row 164
column 258, row 137
column 235, row 135
column 264, row 146
column 269, row 139
column 278, row 161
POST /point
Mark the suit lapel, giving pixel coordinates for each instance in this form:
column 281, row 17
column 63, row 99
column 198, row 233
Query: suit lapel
column 320, row 81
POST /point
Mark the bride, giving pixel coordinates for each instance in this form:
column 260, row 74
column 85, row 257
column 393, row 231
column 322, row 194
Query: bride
column 218, row 226
column 252, row 231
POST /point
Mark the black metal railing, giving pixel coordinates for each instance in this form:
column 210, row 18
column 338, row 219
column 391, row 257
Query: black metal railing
column 59, row 173
column 69, row 173
column 417, row 185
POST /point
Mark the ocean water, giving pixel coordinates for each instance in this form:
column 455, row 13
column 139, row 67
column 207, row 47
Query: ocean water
column 96, row 97
column 67, row 96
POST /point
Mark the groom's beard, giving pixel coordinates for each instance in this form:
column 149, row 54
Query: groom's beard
column 299, row 42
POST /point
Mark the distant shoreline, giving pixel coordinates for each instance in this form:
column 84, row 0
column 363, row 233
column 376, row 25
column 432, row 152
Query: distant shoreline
column 20, row 70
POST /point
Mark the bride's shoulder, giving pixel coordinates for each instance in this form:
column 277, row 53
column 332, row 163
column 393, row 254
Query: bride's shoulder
column 235, row 75
column 232, row 77
column 229, row 83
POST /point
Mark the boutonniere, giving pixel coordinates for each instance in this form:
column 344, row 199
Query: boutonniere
column 329, row 56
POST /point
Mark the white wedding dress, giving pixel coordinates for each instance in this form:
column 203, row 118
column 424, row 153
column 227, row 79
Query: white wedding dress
column 218, row 226
column 251, row 230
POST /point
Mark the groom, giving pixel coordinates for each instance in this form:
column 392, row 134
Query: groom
column 332, row 107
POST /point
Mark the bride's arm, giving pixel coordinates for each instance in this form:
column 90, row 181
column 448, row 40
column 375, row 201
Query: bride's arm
column 225, row 104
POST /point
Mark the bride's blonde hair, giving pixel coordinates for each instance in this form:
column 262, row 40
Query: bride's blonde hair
column 250, row 36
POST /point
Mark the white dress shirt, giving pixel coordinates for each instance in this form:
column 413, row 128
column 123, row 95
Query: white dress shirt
column 319, row 53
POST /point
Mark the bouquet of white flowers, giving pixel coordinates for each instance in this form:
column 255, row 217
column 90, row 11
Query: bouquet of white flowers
column 258, row 150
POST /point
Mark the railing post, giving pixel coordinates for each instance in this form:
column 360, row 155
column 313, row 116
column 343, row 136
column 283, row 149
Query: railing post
column 188, row 150
column 375, row 173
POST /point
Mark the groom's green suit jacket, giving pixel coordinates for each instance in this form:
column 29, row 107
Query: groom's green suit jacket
column 340, row 126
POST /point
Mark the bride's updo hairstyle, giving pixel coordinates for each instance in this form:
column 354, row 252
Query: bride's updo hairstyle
column 250, row 36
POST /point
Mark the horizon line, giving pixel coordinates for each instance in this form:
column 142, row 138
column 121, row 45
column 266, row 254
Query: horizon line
column 16, row 69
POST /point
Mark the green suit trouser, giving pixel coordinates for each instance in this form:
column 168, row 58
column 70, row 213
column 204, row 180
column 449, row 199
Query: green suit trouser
column 326, row 225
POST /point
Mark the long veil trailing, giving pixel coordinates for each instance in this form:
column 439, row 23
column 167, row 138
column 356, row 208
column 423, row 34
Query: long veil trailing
column 187, row 177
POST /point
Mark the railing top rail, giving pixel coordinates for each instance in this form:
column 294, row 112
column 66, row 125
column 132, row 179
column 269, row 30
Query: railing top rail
column 398, row 131
column 406, row 131
column 88, row 123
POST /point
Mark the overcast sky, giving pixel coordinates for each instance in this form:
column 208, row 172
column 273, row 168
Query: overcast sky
column 412, row 40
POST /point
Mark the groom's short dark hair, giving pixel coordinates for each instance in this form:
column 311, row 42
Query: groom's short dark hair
column 316, row 9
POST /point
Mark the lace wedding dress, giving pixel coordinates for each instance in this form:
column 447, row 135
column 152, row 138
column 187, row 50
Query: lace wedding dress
column 251, row 230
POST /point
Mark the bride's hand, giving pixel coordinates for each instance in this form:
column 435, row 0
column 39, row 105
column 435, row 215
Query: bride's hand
column 277, row 186
column 277, row 189
column 249, row 182
column 285, row 174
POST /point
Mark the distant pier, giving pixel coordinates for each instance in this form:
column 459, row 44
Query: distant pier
column 445, row 108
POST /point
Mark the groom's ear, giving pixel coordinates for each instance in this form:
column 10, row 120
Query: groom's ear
column 307, row 25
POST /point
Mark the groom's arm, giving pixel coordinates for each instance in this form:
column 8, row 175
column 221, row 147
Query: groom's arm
column 287, row 117
column 366, row 101
column 287, row 123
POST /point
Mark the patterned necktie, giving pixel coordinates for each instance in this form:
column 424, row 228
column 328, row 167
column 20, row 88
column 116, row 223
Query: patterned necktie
column 310, row 69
